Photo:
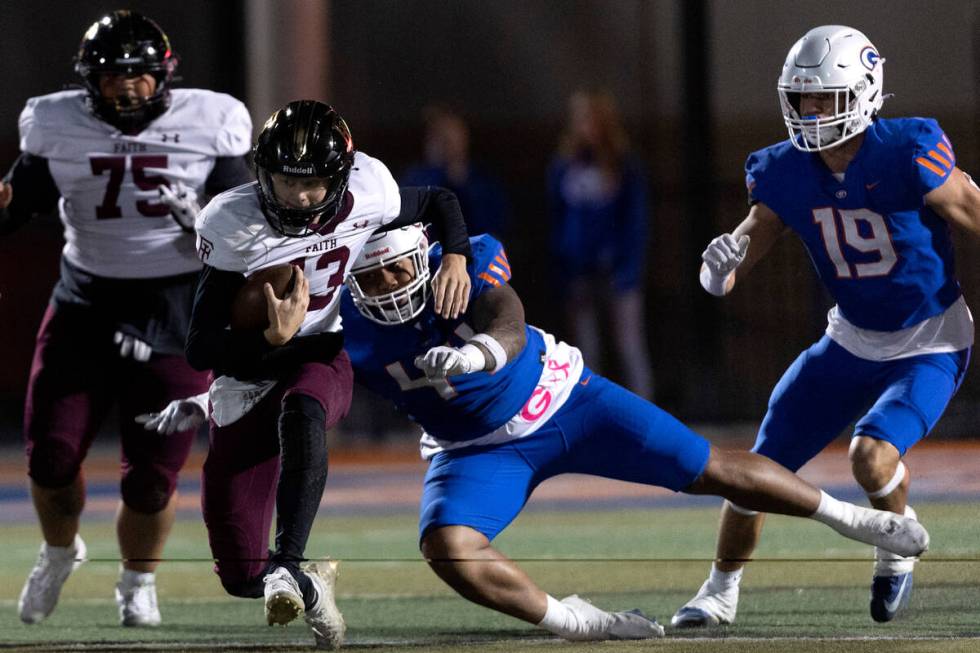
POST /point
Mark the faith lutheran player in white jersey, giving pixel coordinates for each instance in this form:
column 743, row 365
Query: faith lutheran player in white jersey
column 125, row 160
column 278, row 389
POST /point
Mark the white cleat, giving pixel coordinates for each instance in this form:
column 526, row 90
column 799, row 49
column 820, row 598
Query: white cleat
column 630, row 624
column 898, row 534
column 323, row 617
column 709, row 607
column 137, row 601
column 283, row 599
column 43, row 586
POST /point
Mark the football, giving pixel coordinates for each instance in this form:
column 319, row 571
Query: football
column 249, row 311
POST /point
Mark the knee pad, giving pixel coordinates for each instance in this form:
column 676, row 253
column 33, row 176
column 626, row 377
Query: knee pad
column 302, row 434
column 148, row 488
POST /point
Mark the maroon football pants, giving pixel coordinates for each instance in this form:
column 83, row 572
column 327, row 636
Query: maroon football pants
column 242, row 469
column 76, row 377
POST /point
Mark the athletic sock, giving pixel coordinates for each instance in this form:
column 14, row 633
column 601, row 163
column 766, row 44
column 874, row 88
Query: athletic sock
column 723, row 580
column 131, row 578
column 566, row 622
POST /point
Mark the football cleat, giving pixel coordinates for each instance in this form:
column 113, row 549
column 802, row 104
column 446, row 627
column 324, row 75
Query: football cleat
column 283, row 599
column 891, row 584
column 709, row 607
column 889, row 596
column 898, row 534
column 630, row 624
column 43, row 586
column 323, row 617
column 137, row 601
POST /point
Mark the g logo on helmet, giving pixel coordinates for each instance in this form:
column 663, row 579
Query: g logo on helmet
column 870, row 57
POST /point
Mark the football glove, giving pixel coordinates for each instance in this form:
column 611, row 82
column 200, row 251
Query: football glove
column 179, row 415
column 440, row 362
column 130, row 346
column 182, row 201
column 724, row 254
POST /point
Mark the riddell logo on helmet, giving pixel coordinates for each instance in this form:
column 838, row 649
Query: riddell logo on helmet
column 297, row 170
column 378, row 252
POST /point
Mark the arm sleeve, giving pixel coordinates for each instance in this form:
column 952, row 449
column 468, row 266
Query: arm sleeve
column 228, row 172
column 34, row 191
column 439, row 208
column 243, row 354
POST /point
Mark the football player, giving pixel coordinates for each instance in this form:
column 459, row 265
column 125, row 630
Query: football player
column 126, row 159
column 872, row 200
column 503, row 407
column 278, row 389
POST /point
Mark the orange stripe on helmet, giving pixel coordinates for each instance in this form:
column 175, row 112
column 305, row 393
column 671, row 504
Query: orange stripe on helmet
column 936, row 156
column 929, row 165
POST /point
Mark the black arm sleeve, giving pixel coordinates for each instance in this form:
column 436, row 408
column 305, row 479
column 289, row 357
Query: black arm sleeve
column 439, row 208
column 228, row 172
column 244, row 353
column 34, row 191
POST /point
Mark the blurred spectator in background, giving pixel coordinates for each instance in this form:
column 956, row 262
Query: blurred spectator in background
column 447, row 164
column 597, row 193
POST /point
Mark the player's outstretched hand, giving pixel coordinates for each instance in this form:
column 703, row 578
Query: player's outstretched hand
column 182, row 201
column 440, row 362
column 179, row 415
column 451, row 286
column 286, row 315
column 6, row 194
column 131, row 346
column 725, row 253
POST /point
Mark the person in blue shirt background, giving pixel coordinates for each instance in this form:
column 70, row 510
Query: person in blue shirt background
column 448, row 164
column 872, row 200
column 599, row 210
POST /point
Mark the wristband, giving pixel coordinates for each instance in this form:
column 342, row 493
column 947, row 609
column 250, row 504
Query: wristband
column 495, row 348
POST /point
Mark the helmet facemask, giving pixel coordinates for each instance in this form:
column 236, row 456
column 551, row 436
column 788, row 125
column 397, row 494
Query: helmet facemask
column 299, row 222
column 402, row 304
column 815, row 133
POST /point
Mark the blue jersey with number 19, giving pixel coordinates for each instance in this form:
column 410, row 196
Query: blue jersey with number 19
column 460, row 408
column 883, row 254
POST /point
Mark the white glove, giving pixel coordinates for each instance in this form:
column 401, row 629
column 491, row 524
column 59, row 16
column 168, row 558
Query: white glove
column 179, row 415
column 182, row 201
column 440, row 362
column 721, row 257
column 132, row 346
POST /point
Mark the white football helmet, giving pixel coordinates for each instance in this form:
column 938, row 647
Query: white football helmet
column 831, row 59
column 405, row 303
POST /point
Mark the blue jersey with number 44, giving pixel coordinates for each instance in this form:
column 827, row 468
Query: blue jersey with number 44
column 885, row 256
column 458, row 408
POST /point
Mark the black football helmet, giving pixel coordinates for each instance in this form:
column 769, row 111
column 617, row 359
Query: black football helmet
column 305, row 138
column 126, row 43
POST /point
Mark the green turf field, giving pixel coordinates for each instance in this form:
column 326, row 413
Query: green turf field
column 810, row 594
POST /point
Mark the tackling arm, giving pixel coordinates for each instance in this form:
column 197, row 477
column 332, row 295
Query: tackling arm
column 762, row 227
column 958, row 201
column 498, row 316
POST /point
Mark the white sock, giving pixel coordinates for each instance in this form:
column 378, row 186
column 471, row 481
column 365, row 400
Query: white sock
column 836, row 514
column 723, row 580
column 563, row 620
column 60, row 553
column 131, row 578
